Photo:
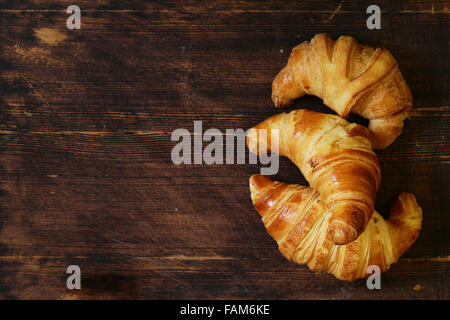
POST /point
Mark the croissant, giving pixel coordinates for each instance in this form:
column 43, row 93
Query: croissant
column 349, row 77
column 297, row 219
column 336, row 158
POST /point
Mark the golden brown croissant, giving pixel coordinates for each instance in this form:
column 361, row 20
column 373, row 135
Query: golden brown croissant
column 349, row 77
column 296, row 218
column 336, row 158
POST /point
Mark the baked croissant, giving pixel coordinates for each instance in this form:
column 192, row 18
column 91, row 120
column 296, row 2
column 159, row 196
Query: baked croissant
column 349, row 77
column 296, row 218
column 336, row 158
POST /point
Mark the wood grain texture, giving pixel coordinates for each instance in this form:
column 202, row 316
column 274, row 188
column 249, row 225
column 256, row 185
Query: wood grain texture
column 85, row 169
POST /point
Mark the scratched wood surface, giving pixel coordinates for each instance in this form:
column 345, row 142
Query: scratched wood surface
column 85, row 169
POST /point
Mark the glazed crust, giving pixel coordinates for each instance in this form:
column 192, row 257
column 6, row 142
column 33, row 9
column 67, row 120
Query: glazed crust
column 349, row 77
column 296, row 217
column 336, row 158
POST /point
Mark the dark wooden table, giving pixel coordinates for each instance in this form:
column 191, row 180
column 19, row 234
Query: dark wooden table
column 86, row 120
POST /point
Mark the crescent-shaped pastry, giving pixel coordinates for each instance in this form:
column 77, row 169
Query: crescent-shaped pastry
column 295, row 217
column 336, row 158
column 348, row 77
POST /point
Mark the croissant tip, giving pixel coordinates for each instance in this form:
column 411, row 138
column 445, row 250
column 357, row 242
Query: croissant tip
column 342, row 233
column 405, row 206
column 258, row 182
column 406, row 196
column 280, row 102
column 340, row 238
column 253, row 178
column 276, row 101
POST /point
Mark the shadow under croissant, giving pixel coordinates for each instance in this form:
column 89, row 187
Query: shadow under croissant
column 296, row 218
